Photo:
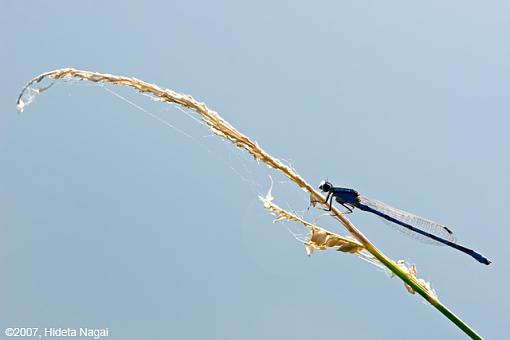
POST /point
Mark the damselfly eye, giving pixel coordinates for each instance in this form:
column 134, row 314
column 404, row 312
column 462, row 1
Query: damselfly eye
column 325, row 186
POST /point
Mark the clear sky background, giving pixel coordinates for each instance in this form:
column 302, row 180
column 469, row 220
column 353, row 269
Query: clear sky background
column 109, row 218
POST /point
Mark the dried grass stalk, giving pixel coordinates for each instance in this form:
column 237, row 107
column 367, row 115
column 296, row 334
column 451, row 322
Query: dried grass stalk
column 223, row 129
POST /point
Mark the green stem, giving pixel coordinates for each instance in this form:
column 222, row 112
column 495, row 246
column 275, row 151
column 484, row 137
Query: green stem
column 409, row 280
column 404, row 276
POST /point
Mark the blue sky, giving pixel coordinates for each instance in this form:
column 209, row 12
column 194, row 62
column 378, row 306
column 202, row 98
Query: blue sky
column 109, row 218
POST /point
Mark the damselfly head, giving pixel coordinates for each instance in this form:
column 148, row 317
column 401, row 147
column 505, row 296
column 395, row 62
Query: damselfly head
column 325, row 186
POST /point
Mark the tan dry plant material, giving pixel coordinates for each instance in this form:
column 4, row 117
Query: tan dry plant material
column 319, row 238
column 412, row 270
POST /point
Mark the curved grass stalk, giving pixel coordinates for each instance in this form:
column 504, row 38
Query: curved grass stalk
column 223, row 129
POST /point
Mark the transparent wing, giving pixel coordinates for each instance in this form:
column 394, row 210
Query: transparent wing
column 411, row 219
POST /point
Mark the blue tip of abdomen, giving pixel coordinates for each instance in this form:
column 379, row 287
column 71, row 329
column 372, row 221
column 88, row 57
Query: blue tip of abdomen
column 480, row 258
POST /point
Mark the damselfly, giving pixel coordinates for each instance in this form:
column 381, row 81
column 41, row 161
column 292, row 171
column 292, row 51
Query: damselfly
column 419, row 226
